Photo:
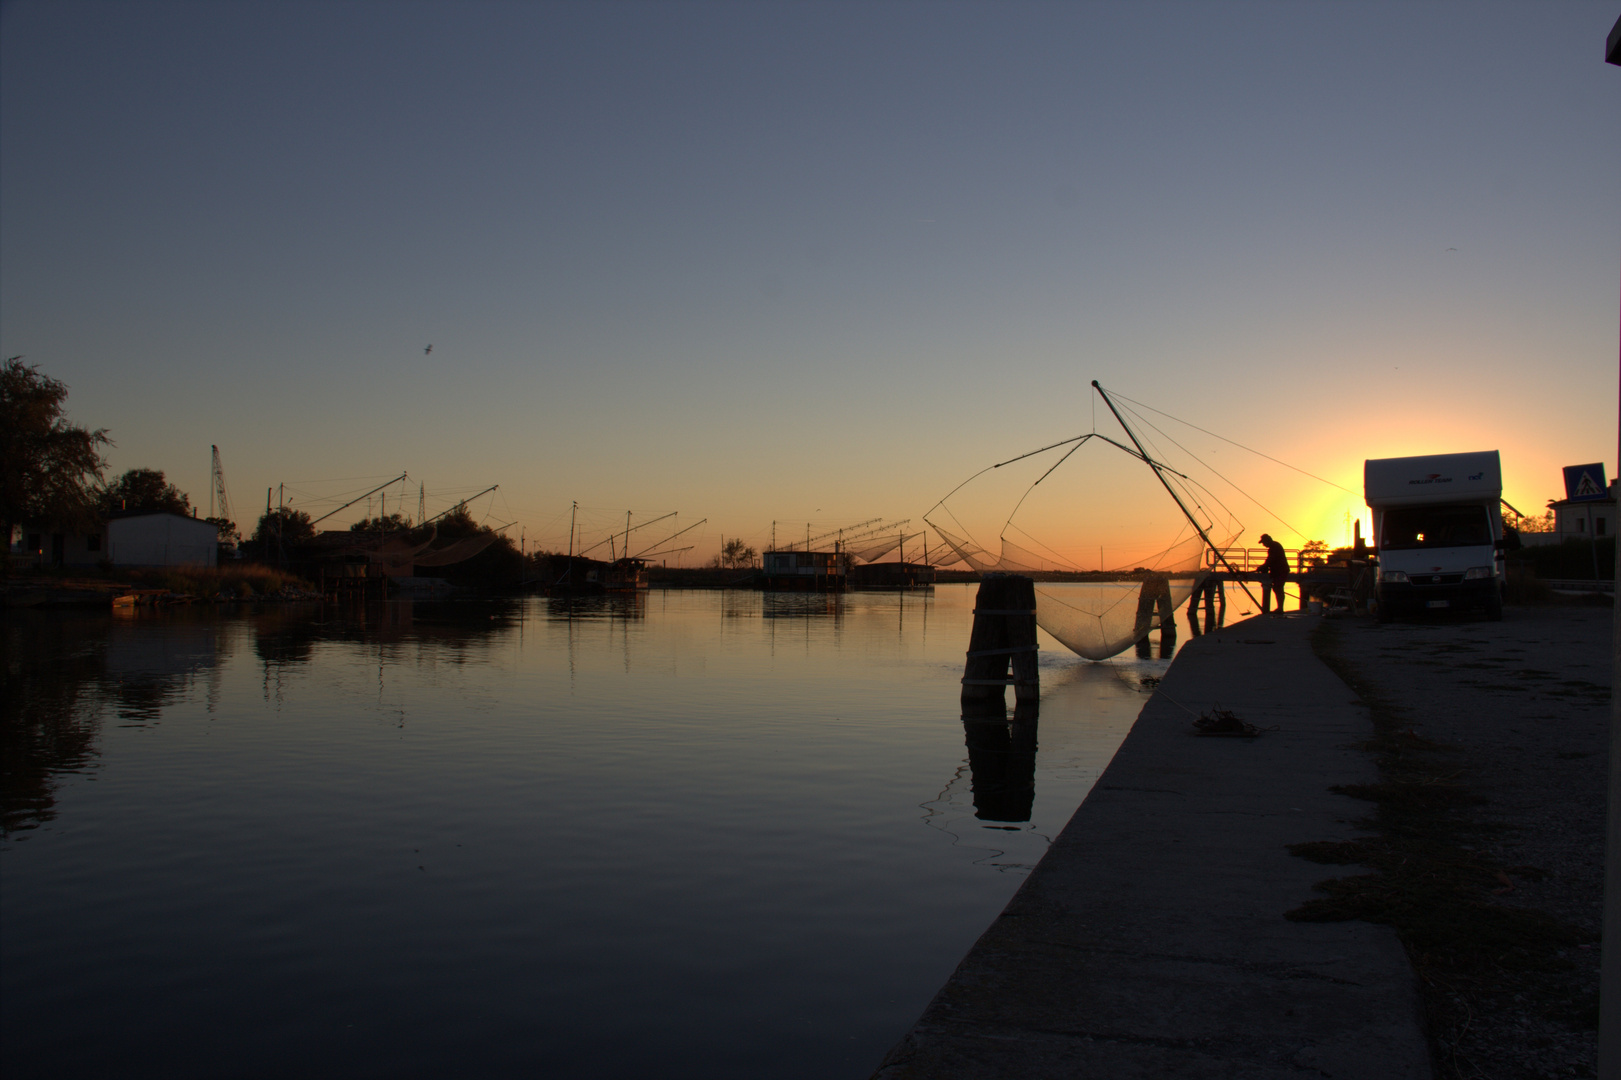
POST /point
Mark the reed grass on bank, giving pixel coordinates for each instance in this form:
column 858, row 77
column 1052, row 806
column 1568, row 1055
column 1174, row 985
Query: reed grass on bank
column 243, row 581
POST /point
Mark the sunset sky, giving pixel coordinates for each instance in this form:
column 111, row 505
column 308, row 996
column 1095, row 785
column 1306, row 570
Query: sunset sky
column 810, row 262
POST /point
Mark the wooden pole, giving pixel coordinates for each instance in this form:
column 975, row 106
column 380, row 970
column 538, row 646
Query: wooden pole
column 1003, row 637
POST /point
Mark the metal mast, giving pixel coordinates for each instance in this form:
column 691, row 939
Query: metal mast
column 357, row 498
column 1156, row 466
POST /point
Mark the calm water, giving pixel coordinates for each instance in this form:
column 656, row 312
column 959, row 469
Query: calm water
column 692, row 834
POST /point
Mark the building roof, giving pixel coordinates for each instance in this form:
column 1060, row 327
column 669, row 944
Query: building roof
column 119, row 514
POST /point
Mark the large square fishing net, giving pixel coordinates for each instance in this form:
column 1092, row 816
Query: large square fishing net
column 1113, row 551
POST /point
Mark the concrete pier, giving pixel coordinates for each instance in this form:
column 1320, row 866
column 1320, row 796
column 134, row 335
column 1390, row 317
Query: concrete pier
column 1151, row 940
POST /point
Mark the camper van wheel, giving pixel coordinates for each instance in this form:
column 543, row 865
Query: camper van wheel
column 1382, row 610
column 1494, row 606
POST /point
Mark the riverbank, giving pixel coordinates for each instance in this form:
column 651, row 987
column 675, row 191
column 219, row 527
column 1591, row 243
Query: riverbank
column 1151, row 940
column 98, row 587
column 1170, row 931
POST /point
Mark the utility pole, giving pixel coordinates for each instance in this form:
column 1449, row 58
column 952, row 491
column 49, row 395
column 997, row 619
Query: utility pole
column 574, row 509
column 1609, row 1020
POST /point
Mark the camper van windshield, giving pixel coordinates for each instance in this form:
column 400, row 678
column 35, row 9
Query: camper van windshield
column 1436, row 526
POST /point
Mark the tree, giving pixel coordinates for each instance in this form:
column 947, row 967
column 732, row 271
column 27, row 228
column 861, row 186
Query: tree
column 1543, row 524
column 391, row 524
column 229, row 537
column 457, row 523
column 736, row 555
column 1314, row 552
column 144, row 489
column 282, row 527
column 49, row 468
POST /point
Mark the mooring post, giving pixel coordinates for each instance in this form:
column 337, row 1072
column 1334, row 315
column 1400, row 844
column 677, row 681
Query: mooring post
column 1004, row 636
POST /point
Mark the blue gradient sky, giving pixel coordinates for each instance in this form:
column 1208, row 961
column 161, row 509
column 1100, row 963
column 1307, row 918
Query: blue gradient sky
column 818, row 261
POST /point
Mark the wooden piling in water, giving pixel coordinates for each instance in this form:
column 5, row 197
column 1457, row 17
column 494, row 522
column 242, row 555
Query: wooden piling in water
column 1004, row 636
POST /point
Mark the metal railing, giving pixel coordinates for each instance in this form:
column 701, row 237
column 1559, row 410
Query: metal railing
column 1249, row 559
column 1584, row 585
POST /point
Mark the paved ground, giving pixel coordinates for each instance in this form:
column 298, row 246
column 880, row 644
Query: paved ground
column 1151, row 942
column 1522, row 710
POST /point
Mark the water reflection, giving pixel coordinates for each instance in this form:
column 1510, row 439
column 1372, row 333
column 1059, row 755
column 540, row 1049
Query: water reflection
column 603, row 606
column 802, row 605
column 46, row 724
column 291, row 635
column 1005, row 787
column 64, row 674
column 1002, row 764
column 622, row 832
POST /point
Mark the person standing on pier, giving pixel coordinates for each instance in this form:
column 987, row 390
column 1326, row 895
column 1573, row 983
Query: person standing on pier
column 1273, row 572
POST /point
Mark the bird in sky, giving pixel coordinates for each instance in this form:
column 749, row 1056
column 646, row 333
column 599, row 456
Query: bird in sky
column 428, row 350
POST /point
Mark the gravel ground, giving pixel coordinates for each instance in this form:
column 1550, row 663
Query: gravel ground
column 1523, row 707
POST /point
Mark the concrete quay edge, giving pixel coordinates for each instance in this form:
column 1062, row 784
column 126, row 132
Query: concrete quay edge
column 1150, row 941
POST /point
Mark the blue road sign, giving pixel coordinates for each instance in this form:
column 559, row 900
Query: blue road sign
column 1585, row 483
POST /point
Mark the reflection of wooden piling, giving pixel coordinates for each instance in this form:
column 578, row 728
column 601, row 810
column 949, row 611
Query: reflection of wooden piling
column 1004, row 636
column 1002, row 764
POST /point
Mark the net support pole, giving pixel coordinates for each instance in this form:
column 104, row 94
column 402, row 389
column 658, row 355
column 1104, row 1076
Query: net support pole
column 1003, row 638
column 1152, row 464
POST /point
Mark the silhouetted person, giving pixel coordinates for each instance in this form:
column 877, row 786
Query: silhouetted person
column 1273, row 572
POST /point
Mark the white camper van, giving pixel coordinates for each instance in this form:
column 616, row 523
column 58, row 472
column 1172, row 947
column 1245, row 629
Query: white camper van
column 1438, row 525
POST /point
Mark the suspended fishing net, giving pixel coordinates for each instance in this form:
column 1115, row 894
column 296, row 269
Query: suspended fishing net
column 876, row 549
column 1113, row 554
column 398, row 558
column 456, row 551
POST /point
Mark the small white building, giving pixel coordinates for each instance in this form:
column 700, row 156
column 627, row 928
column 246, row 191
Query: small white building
column 1584, row 519
column 148, row 538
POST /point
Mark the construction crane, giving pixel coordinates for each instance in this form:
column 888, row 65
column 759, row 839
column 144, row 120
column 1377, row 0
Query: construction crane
column 216, row 491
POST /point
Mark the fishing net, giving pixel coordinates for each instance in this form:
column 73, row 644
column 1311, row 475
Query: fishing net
column 399, row 558
column 1063, row 527
column 876, row 549
column 456, row 551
